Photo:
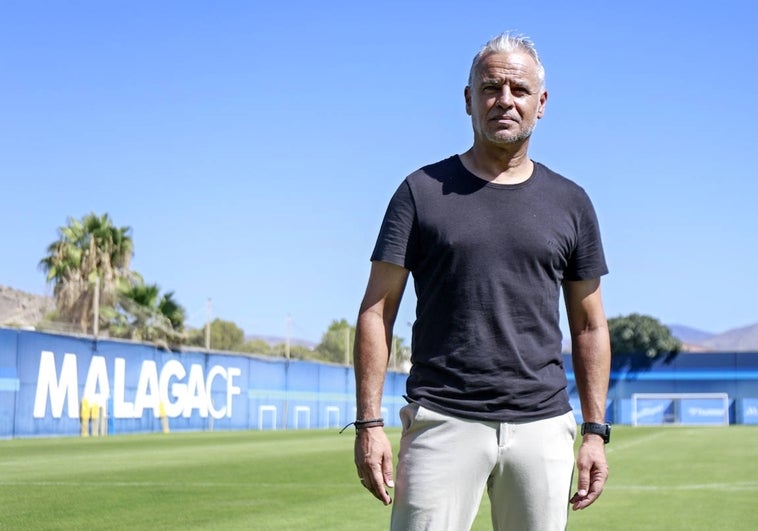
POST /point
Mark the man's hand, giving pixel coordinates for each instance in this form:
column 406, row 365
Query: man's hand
column 593, row 472
column 373, row 460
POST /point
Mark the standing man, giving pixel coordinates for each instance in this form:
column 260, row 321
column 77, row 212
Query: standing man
column 490, row 238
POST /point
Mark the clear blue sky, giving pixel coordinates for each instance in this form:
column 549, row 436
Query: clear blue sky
column 253, row 146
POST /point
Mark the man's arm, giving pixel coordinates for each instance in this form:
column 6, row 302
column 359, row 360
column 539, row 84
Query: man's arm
column 591, row 354
column 373, row 451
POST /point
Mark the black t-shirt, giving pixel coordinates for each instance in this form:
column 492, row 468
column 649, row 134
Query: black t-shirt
column 487, row 262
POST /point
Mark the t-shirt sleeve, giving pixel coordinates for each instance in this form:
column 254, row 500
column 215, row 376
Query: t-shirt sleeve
column 396, row 242
column 588, row 259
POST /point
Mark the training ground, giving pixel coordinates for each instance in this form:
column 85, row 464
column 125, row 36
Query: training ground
column 663, row 478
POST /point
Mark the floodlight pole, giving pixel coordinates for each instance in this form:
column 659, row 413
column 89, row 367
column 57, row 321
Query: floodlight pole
column 394, row 353
column 208, row 326
column 287, row 339
column 347, row 346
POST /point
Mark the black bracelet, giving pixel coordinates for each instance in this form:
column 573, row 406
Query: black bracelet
column 365, row 423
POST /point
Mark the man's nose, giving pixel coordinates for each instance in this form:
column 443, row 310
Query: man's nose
column 505, row 98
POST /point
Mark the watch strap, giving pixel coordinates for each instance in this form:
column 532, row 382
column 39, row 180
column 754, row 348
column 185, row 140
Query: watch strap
column 604, row 430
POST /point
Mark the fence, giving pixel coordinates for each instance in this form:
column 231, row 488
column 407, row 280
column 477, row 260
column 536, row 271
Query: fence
column 733, row 374
column 45, row 379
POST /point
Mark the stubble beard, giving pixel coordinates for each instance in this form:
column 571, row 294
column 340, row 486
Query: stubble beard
column 504, row 138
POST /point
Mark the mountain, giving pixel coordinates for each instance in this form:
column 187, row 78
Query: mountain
column 686, row 334
column 735, row 340
column 741, row 339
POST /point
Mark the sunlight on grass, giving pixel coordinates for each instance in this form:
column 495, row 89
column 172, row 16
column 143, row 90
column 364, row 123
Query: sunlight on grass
column 670, row 478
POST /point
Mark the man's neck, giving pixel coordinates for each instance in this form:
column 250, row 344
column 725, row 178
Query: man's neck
column 498, row 164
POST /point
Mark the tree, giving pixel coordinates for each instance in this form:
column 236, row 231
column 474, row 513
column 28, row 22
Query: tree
column 224, row 335
column 296, row 352
column 144, row 314
column 340, row 338
column 257, row 346
column 637, row 333
column 337, row 342
column 91, row 255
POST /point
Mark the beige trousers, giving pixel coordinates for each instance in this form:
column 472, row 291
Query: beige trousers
column 444, row 464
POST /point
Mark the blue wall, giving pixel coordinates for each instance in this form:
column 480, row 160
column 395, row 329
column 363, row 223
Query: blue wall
column 735, row 374
column 44, row 378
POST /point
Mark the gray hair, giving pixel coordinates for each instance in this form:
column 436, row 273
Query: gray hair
column 508, row 42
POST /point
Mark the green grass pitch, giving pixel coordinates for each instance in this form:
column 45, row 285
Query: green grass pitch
column 661, row 479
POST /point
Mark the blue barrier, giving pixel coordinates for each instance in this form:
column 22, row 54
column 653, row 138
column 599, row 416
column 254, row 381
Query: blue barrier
column 45, row 377
column 748, row 411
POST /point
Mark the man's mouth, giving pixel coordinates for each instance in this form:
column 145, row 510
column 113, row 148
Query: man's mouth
column 504, row 119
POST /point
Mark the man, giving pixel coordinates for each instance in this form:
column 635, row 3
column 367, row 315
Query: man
column 490, row 238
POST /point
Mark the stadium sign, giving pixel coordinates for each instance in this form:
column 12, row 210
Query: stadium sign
column 706, row 412
column 179, row 391
column 749, row 411
column 654, row 411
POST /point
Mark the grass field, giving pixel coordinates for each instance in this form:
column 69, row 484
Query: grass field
column 661, row 479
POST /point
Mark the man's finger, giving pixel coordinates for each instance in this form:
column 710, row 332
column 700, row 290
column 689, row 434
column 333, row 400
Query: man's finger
column 387, row 473
column 378, row 487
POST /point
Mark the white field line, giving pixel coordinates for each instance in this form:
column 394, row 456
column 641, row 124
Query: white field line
column 157, row 484
column 721, row 487
column 634, row 442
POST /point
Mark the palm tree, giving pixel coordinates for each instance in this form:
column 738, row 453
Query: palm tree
column 146, row 315
column 90, row 254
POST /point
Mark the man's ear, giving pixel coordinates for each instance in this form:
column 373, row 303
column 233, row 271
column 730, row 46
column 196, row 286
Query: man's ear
column 543, row 102
column 467, row 97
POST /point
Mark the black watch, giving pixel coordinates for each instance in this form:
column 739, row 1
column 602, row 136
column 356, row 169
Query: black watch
column 604, row 430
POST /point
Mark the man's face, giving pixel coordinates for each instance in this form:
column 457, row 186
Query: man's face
column 505, row 98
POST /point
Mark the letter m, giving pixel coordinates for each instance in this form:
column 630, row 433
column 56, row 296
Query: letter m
column 48, row 384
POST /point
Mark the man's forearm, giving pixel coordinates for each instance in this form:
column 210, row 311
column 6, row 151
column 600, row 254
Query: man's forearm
column 373, row 451
column 373, row 333
column 592, row 361
column 371, row 355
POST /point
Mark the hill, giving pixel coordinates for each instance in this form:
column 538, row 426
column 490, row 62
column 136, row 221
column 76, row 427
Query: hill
column 735, row 340
column 743, row 339
column 686, row 334
column 21, row 309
